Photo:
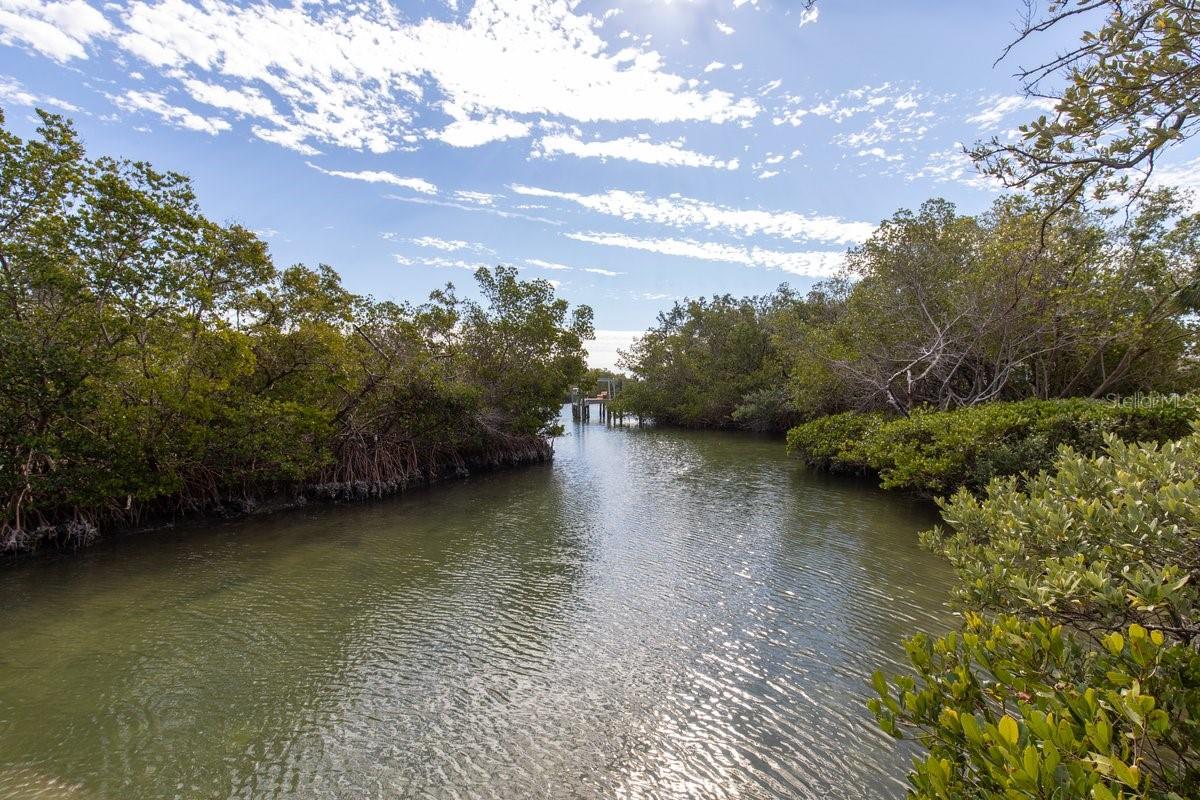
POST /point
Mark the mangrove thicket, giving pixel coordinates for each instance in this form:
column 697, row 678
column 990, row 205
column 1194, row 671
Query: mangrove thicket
column 154, row 362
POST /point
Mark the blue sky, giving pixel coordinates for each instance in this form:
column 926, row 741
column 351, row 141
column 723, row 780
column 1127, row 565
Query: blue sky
column 633, row 151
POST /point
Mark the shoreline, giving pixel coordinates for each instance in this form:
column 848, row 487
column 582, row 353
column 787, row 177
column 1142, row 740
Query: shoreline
column 280, row 499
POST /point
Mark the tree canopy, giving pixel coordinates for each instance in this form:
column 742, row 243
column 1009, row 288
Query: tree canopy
column 1125, row 94
column 943, row 310
column 152, row 360
column 947, row 310
column 705, row 359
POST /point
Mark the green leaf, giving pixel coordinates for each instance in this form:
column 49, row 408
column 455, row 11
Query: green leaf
column 1008, row 729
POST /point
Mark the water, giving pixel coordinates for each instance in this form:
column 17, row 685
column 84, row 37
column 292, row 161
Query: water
column 656, row 614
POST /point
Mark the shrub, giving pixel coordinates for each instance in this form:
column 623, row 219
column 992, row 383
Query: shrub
column 1075, row 673
column 829, row 442
column 768, row 410
column 934, row 452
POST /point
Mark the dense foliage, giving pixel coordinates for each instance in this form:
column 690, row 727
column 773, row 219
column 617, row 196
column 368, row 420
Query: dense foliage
column 947, row 310
column 1075, row 673
column 153, row 360
column 933, row 452
column 712, row 363
column 942, row 310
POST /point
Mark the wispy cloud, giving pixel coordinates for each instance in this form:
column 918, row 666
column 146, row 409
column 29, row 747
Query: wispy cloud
column 12, row 91
column 479, row 198
column 813, row 263
column 555, row 266
column 466, row 206
column 994, row 109
column 440, row 262
column 630, row 148
column 449, row 245
column 379, row 176
column 465, row 131
column 244, row 101
column 686, row 213
column 550, row 265
column 895, row 108
column 178, row 116
column 952, row 165
column 1184, row 175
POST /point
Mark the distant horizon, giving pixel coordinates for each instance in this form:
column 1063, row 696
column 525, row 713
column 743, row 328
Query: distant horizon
column 632, row 153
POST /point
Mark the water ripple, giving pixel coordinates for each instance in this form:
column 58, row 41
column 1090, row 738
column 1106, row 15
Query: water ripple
column 656, row 615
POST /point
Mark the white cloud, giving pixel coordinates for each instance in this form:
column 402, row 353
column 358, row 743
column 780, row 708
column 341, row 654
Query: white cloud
column 1184, row 175
column 767, row 173
column 291, row 138
column 685, row 213
column 479, row 198
column 467, row 132
column 602, row 351
column 537, row 262
column 713, row 66
column 178, row 116
column 469, row 206
column 248, row 101
column 880, row 153
column 813, row 263
column 954, row 166
column 997, row 107
column 360, row 76
column 725, row 29
column 12, row 91
column 449, row 245
column 380, row 176
column 809, row 15
column 895, row 113
column 631, row 148
column 551, row 265
column 440, row 262
column 60, row 30
column 885, row 114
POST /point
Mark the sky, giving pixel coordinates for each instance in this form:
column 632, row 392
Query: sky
column 633, row 152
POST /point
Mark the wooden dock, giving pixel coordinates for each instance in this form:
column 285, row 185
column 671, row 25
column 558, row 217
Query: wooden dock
column 581, row 409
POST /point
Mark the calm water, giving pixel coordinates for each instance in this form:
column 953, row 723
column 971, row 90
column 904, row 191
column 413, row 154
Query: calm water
column 656, row 614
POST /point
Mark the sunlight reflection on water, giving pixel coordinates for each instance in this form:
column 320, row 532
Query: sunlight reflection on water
column 656, row 614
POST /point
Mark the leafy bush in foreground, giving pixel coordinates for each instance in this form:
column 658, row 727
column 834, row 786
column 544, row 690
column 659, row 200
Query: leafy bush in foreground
column 934, row 452
column 1076, row 672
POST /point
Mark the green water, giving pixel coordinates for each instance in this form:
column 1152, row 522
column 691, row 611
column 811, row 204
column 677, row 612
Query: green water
column 656, row 614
